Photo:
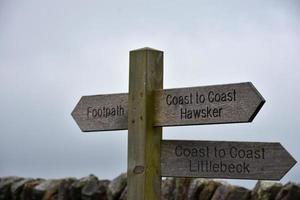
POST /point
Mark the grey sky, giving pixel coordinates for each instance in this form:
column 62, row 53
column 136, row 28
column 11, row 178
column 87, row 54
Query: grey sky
column 53, row 52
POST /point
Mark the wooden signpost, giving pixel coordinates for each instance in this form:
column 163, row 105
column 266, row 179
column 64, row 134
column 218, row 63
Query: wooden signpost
column 148, row 107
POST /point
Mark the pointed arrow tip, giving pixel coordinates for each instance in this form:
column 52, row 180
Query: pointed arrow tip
column 260, row 104
column 73, row 114
column 291, row 165
column 257, row 92
column 291, row 161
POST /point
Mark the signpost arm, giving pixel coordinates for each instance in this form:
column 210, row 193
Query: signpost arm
column 145, row 75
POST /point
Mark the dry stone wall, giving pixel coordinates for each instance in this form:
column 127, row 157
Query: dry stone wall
column 92, row 188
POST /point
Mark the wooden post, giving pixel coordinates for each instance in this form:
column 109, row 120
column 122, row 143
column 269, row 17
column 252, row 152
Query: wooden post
column 145, row 75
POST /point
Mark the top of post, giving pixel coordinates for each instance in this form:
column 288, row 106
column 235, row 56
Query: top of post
column 145, row 49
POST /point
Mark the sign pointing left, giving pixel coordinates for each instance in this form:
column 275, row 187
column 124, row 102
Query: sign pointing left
column 102, row 112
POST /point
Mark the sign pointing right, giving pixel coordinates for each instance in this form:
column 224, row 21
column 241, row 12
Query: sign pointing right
column 218, row 159
column 216, row 104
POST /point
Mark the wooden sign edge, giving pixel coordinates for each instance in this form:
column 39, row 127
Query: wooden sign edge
column 262, row 102
column 291, row 157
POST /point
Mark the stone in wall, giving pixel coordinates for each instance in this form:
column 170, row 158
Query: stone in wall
column 181, row 188
column 229, row 192
column 290, row 191
column 95, row 190
column 46, row 190
column 167, row 189
column 64, row 190
column 239, row 193
column 77, row 186
column 209, row 189
column 116, row 187
column 5, row 185
column 196, row 187
column 266, row 190
column 27, row 192
column 222, row 192
column 124, row 194
column 17, row 188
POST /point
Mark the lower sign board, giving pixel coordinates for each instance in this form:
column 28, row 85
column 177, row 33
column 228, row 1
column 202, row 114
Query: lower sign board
column 218, row 159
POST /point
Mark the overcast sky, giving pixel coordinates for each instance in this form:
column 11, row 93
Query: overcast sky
column 53, row 52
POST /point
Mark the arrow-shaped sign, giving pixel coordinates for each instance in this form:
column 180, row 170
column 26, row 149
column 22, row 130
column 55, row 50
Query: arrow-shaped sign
column 230, row 103
column 102, row 112
column 216, row 159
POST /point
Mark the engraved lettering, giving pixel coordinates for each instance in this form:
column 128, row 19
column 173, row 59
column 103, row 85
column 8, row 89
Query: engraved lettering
column 105, row 112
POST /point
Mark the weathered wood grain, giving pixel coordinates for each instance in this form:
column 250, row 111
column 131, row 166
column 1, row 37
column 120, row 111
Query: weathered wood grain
column 178, row 107
column 229, row 103
column 95, row 113
column 219, row 159
column 145, row 75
